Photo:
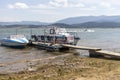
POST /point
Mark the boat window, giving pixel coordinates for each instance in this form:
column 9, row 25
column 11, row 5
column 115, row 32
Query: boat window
column 52, row 31
column 48, row 38
column 42, row 37
column 17, row 36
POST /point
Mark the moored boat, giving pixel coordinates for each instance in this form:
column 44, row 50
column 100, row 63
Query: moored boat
column 56, row 35
column 14, row 41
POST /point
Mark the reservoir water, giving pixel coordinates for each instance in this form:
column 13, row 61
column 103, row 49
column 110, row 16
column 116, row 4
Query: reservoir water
column 107, row 39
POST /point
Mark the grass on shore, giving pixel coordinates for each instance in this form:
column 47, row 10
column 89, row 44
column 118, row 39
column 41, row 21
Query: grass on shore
column 71, row 68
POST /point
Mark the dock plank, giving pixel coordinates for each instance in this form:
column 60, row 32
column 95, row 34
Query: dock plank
column 80, row 47
column 94, row 52
column 108, row 53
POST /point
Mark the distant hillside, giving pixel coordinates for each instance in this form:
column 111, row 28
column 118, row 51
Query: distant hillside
column 81, row 25
column 61, row 25
column 84, row 19
column 98, row 25
column 79, row 22
column 24, row 23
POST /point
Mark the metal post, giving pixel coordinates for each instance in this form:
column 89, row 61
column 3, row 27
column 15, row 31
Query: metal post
column 16, row 31
column 31, row 33
column 44, row 36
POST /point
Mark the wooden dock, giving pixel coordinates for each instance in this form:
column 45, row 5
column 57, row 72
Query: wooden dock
column 96, row 52
column 80, row 47
column 47, row 46
column 109, row 54
column 93, row 52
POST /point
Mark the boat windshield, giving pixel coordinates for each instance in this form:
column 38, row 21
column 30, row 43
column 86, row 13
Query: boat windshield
column 16, row 36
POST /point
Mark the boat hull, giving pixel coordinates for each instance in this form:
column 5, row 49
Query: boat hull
column 11, row 43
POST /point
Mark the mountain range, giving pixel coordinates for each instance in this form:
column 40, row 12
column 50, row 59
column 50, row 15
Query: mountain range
column 24, row 23
column 84, row 19
column 81, row 22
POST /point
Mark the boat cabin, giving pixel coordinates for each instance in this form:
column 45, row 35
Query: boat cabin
column 55, row 35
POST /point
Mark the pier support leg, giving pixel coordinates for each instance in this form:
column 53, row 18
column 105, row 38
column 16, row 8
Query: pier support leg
column 93, row 53
column 64, row 49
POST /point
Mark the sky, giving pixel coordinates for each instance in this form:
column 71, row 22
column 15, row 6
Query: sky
column 54, row 10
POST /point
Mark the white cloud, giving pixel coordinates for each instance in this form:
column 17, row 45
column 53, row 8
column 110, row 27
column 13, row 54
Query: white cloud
column 52, row 4
column 59, row 3
column 65, row 3
column 56, row 9
column 78, row 5
column 41, row 6
column 18, row 5
column 114, row 2
column 106, row 4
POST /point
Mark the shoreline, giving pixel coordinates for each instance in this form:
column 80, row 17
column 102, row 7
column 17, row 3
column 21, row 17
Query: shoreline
column 69, row 67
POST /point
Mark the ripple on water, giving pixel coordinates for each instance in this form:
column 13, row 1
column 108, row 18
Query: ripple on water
column 9, row 55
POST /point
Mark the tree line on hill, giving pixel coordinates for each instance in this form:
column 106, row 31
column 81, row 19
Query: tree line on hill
column 82, row 25
column 72, row 22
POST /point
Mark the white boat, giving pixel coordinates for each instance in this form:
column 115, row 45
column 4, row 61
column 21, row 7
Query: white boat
column 89, row 30
column 14, row 41
column 56, row 35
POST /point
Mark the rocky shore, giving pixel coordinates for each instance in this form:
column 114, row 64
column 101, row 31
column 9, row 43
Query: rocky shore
column 69, row 67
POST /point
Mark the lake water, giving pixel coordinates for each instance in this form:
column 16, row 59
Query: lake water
column 107, row 39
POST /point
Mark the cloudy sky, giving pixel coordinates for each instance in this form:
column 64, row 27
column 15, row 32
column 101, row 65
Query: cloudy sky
column 53, row 10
